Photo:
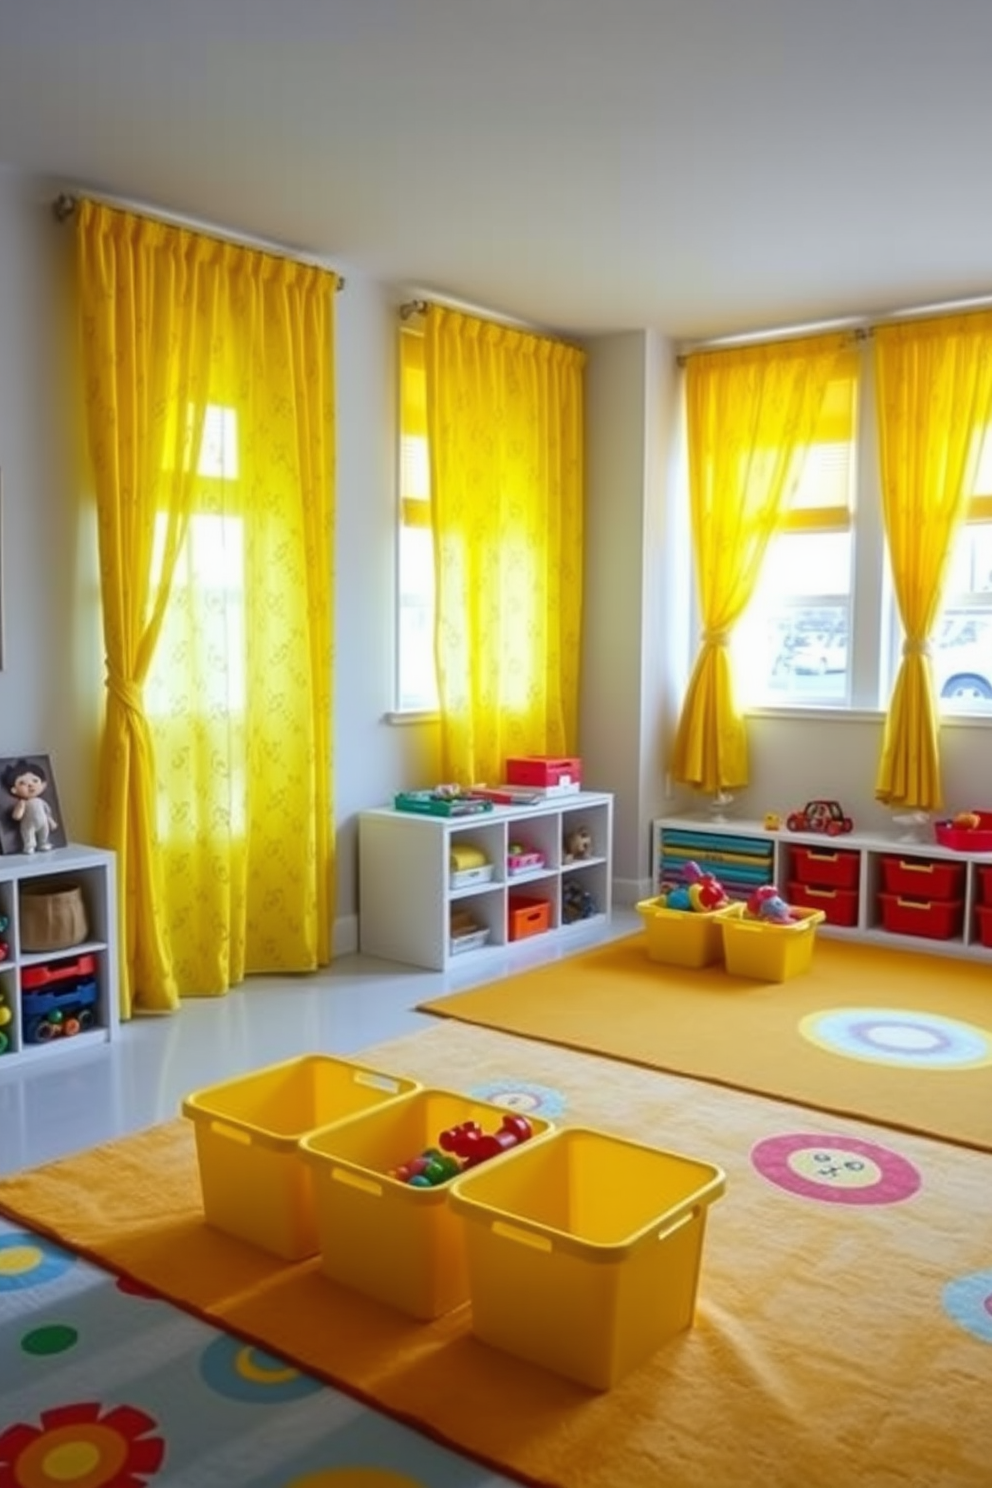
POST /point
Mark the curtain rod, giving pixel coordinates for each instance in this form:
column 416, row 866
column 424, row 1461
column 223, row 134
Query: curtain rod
column 65, row 205
column 861, row 330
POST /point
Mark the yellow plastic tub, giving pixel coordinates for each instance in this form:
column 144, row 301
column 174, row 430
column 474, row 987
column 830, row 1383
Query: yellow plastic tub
column 767, row 952
column 584, row 1252
column 684, row 937
column 401, row 1245
column 254, row 1183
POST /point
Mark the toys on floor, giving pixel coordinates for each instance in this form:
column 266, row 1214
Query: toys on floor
column 700, row 892
column 460, row 1148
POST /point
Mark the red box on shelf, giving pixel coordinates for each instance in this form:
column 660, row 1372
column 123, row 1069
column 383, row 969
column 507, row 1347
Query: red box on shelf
column 984, row 913
column 545, row 773
column 966, row 839
column 923, row 878
column 985, row 878
column 840, row 906
column 526, row 916
column 935, row 919
column 813, row 865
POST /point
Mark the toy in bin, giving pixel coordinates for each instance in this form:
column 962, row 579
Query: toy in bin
column 461, row 1147
column 58, row 999
column 766, row 903
column 700, row 892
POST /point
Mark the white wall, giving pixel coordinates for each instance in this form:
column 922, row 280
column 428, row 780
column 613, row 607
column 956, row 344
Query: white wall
column 51, row 689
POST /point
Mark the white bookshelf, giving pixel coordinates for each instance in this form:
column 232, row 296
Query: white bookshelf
column 94, row 870
column 872, row 849
column 406, row 893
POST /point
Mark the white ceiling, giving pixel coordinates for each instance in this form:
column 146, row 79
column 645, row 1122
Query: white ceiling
column 698, row 167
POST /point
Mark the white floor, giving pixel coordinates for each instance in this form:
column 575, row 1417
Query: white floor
column 50, row 1111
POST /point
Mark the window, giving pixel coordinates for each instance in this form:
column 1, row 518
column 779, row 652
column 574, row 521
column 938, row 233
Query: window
column 416, row 677
column 793, row 644
column 962, row 639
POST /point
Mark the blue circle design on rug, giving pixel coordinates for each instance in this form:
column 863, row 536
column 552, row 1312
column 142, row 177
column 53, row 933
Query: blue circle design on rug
column 968, row 1300
column 522, row 1096
column 27, row 1260
column 835, row 1169
column 899, row 1036
column 238, row 1371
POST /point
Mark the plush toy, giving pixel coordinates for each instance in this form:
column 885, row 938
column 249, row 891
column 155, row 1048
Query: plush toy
column 767, row 903
column 577, row 844
column 967, row 820
column 27, row 783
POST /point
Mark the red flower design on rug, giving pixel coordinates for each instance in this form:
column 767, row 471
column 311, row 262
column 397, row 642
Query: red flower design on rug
column 78, row 1446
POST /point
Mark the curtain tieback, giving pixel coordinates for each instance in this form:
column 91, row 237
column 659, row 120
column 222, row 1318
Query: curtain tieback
column 128, row 694
column 716, row 637
column 917, row 648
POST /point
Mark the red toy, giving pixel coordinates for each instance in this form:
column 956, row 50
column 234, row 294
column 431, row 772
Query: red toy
column 820, row 816
column 470, row 1142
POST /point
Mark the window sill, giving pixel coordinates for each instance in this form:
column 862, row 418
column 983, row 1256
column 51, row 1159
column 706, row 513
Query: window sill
column 402, row 718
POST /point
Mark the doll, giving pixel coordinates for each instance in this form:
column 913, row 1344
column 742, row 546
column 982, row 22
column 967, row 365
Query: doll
column 28, row 782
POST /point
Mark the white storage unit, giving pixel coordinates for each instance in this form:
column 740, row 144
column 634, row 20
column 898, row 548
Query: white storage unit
column 407, row 898
column 943, row 921
column 93, row 870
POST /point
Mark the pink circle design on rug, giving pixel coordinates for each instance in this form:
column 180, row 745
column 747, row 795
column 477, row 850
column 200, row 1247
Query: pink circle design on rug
column 835, row 1169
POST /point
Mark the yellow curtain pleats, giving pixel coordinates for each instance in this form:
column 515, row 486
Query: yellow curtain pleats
column 933, row 383
column 752, row 414
column 208, row 373
column 505, row 431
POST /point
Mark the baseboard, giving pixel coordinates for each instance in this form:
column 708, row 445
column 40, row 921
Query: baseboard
column 344, row 936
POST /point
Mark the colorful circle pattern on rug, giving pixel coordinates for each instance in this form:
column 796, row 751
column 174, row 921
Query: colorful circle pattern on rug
column 238, row 1371
column 835, row 1169
column 53, row 1338
column 82, row 1445
column 899, row 1036
column 968, row 1300
column 27, row 1260
column 522, row 1096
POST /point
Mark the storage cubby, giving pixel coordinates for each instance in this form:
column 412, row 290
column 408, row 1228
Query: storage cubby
column 408, row 888
column 873, row 886
column 62, row 998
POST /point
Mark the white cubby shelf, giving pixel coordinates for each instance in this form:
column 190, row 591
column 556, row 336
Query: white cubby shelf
column 94, row 871
column 406, row 898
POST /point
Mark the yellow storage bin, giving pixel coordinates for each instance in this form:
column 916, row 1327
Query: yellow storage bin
column 254, row 1183
column 768, row 952
column 399, row 1244
column 684, row 937
column 584, row 1251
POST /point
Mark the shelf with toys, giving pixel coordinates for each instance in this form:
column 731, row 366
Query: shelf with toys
column 58, row 954
column 436, row 886
column 928, row 891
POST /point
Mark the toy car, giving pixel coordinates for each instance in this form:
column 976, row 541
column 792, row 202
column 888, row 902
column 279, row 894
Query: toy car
column 820, row 816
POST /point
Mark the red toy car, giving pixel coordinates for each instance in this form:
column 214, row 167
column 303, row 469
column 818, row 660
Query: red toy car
column 820, row 816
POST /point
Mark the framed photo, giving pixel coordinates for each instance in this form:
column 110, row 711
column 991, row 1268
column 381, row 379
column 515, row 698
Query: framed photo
column 30, row 814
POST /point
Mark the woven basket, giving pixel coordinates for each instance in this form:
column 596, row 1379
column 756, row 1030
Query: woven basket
column 52, row 916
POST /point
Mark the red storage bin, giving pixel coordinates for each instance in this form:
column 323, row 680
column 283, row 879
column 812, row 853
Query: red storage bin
column 935, row 919
column 527, row 916
column 985, row 881
column 984, row 913
column 923, row 878
column 811, row 865
column 544, row 772
column 840, row 906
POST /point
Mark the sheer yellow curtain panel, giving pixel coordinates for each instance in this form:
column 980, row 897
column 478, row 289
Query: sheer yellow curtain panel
column 933, row 382
column 751, row 414
column 505, row 431
column 230, row 690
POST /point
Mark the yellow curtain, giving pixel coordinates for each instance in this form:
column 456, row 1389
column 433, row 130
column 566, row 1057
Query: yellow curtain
column 934, row 400
column 505, row 430
column 209, row 410
column 752, row 414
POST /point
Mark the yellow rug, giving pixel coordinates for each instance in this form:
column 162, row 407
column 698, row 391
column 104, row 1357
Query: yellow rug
column 844, row 1326
column 893, row 1037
